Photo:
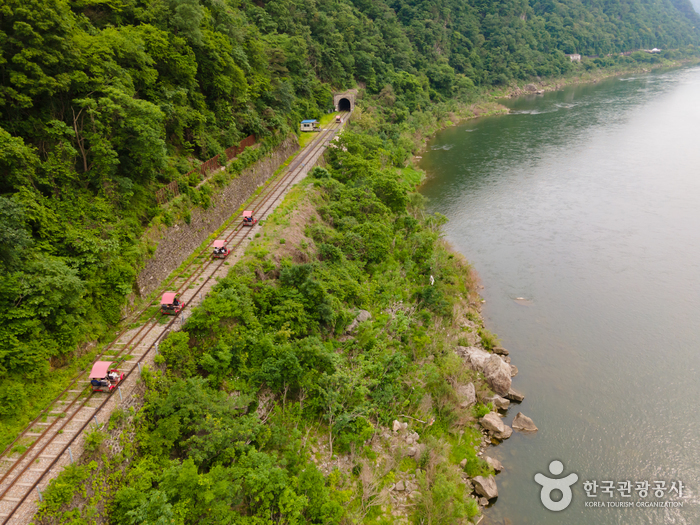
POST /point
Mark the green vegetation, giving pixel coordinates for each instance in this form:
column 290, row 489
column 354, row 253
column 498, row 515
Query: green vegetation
column 102, row 103
column 264, row 404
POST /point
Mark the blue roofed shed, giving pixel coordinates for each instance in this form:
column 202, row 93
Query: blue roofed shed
column 309, row 125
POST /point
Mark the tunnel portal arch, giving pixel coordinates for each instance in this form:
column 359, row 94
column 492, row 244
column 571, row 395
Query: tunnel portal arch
column 345, row 101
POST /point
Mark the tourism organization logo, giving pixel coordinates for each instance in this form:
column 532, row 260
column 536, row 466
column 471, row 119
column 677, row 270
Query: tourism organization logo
column 549, row 485
column 612, row 495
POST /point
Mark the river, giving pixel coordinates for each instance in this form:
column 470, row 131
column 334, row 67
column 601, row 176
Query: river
column 586, row 203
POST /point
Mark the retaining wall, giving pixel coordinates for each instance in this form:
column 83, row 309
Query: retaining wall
column 177, row 242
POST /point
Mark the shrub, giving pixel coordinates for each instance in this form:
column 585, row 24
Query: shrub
column 94, row 439
column 117, row 417
column 434, row 299
column 328, row 252
column 488, row 340
column 320, row 173
column 12, row 398
column 480, row 410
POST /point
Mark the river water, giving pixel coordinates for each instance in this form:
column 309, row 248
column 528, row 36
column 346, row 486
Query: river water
column 586, row 203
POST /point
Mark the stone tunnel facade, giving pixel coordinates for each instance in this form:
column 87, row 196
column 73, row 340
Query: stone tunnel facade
column 345, row 101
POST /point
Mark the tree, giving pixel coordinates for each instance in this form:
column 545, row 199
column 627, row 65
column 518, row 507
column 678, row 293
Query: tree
column 14, row 237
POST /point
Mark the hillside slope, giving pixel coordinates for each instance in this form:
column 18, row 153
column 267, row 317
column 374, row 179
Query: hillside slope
column 101, row 103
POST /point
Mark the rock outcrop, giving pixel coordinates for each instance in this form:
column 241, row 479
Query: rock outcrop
column 497, row 373
column 466, row 394
column 362, row 316
column 499, row 402
column 398, row 425
column 486, row 487
column 523, row 423
column 500, row 350
column 494, row 368
column 475, row 357
column 515, row 396
column 494, row 463
column 493, row 422
column 507, row 432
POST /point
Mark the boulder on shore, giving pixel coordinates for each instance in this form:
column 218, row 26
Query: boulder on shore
column 515, row 396
column 507, row 432
column 499, row 402
column 523, row 423
column 497, row 373
column 494, row 463
column 500, row 350
column 486, row 486
column 475, row 357
column 492, row 422
column 513, row 370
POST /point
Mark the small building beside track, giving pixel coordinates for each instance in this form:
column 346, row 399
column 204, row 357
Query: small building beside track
column 310, row 125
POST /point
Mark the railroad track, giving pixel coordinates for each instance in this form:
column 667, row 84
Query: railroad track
column 56, row 434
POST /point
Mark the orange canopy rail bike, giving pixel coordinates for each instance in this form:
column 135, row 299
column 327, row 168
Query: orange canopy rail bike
column 221, row 251
column 170, row 303
column 103, row 378
column 248, row 219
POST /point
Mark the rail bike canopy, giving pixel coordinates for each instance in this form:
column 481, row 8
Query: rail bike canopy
column 100, row 369
column 168, row 298
column 248, row 219
column 219, row 243
column 170, row 303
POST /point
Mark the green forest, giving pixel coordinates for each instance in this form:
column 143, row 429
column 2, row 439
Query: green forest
column 103, row 102
column 271, row 406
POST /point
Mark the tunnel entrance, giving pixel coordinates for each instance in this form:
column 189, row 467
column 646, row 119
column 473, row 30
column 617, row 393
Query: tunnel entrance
column 344, row 105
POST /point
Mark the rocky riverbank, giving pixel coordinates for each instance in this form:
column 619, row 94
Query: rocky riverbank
column 485, row 400
column 495, row 373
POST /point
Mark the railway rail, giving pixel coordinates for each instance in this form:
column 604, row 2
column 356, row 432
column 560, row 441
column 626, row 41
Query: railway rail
column 51, row 444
